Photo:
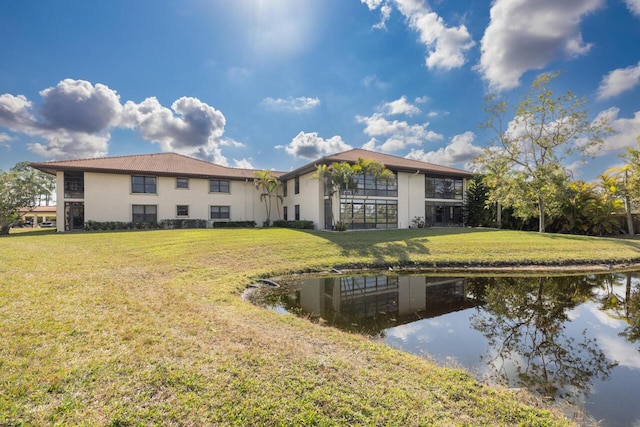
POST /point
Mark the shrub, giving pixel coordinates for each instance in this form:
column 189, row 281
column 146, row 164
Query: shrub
column 419, row 222
column 234, row 224
column 183, row 223
column 164, row 224
column 299, row 224
column 341, row 226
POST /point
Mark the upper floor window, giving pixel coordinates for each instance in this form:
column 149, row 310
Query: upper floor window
column 182, row 182
column 74, row 185
column 296, row 185
column 368, row 186
column 219, row 186
column 143, row 184
column 284, row 188
column 438, row 187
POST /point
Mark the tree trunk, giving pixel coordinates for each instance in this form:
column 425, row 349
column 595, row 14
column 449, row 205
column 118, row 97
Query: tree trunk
column 627, row 207
column 541, row 224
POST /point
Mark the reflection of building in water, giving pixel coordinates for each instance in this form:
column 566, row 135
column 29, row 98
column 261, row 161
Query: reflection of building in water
column 363, row 297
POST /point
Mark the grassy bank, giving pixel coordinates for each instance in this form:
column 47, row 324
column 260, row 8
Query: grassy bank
column 136, row 328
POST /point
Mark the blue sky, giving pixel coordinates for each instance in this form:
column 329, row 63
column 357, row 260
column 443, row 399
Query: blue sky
column 278, row 83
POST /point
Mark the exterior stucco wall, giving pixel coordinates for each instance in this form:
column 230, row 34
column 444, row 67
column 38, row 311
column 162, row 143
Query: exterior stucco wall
column 410, row 197
column 108, row 197
column 60, row 201
column 310, row 198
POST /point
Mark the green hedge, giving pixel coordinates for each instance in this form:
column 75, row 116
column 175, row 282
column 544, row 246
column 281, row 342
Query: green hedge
column 164, row 224
column 234, row 224
column 300, row 224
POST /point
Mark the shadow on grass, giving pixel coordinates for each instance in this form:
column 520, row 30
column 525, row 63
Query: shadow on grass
column 387, row 247
column 26, row 232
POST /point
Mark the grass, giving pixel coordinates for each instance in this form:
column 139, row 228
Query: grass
column 147, row 328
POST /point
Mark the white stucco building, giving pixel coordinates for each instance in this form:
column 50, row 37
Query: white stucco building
column 431, row 192
column 157, row 187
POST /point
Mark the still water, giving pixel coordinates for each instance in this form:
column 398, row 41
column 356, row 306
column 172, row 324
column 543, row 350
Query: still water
column 569, row 338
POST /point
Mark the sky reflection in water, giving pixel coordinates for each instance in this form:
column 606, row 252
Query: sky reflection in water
column 574, row 338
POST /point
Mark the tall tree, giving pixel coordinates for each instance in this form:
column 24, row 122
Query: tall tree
column 269, row 186
column 15, row 193
column 476, row 207
column 632, row 176
column 524, row 162
column 41, row 184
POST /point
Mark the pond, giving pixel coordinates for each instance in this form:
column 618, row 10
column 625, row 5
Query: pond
column 574, row 338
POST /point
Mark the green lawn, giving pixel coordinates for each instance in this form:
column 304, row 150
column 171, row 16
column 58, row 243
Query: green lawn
column 139, row 328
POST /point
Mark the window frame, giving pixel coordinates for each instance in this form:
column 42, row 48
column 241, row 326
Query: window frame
column 435, row 186
column 178, row 214
column 145, row 214
column 180, row 179
column 220, row 186
column 144, row 184
column 220, row 209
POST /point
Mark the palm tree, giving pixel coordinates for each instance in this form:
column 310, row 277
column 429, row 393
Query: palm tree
column 617, row 180
column 342, row 179
column 269, row 185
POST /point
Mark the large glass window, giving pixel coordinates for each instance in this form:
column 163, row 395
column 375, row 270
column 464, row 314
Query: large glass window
column 370, row 213
column 296, row 212
column 74, row 185
column 444, row 214
column 219, row 186
column 144, row 213
column 143, row 184
column 220, row 212
column 437, row 187
column 367, row 186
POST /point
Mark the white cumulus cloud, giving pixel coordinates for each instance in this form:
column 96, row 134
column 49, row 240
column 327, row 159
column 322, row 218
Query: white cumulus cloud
column 291, row 104
column 446, row 45
column 311, row 146
column 400, row 106
column 618, row 81
column 398, row 133
column 190, row 127
column 77, row 105
column 458, row 153
column 527, row 35
column 627, row 130
column 634, row 6
column 75, row 118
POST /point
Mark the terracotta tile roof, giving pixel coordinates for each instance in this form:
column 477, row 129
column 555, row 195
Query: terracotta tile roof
column 168, row 164
column 394, row 163
column 39, row 209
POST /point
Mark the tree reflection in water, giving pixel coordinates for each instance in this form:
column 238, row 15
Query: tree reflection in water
column 523, row 319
